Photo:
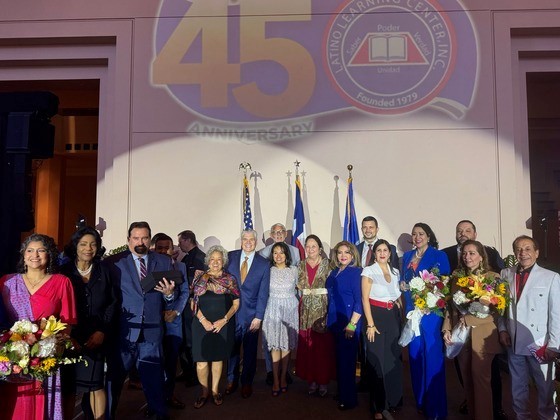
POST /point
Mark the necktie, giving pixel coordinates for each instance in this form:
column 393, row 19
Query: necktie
column 143, row 269
column 369, row 256
column 244, row 269
column 521, row 279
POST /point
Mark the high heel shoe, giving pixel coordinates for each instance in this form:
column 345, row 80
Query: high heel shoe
column 276, row 392
column 283, row 389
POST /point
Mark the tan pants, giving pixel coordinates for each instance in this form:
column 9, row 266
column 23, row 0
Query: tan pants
column 476, row 369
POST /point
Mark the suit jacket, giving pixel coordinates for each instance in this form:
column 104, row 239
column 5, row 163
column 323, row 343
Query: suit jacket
column 181, row 299
column 138, row 311
column 194, row 260
column 536, row 314
column 495, row 262
column 254, row 290
column 432, row 258
column 294, row 253
column 394, row 255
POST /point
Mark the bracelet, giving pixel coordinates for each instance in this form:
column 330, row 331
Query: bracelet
column 202, row 318
column 226, row 319
column 371, row 326
column 351, row 327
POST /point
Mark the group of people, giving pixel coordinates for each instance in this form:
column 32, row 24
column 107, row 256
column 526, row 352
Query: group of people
column 209, row 308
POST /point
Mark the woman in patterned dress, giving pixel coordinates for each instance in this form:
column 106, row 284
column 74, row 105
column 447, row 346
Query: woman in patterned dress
column 280, row 325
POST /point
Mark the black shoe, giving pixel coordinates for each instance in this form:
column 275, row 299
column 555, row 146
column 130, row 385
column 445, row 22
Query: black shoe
column 270, row 378
column 289, row 379
column 464, row 408
column 149, row 412
column 500, row 415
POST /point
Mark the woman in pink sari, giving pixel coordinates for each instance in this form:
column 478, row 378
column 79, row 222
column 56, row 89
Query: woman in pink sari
column 33, row 293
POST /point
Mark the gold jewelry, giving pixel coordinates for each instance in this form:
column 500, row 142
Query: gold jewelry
column 34, row 285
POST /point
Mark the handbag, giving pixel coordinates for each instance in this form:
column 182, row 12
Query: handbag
column 459, row 337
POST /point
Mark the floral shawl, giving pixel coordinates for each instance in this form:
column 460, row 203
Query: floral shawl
column 225, row 284
column 313, row 307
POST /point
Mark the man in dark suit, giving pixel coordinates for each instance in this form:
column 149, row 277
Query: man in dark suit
column 370, row 228
column 465, row 230
column 253, row 278
column 139, row 332
column 194, row 261
column 163, row 245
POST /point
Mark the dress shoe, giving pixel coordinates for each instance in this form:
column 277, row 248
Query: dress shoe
column 149, row 412
column 174, row 402
column 464, row 408
column 246, row 391
column 269, row 378
column 231, row 387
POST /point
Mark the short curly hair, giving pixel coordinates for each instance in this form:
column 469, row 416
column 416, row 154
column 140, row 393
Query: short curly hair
column 221, row 250
column 48, row 243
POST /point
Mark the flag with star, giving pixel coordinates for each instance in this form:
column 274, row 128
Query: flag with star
column 298, row 236
column 247, row 215
column 351, row 233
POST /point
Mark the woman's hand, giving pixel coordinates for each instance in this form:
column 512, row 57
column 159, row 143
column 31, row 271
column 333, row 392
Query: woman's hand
column 219, row 324
column 370, row 333
column 349, row 333
column 447, row 337
column 208, row 326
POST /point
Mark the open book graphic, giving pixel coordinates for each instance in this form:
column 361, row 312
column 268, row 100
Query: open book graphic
column 387, row 48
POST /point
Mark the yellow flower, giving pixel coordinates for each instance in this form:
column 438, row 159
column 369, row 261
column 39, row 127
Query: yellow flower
column 52, row 327
column 420, row 303
column 501, row 303
column 4, row 359
column 48, row 364
column 462, row 281
column 477, row 290
column 502, row 289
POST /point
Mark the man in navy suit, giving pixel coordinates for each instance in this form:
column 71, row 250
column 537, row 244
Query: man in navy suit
column 163, row 244
column 253, row 278
column 140, row 331
column 370, row 228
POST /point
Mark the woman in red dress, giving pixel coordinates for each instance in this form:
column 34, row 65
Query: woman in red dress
column 315, row 352
column 33, row 293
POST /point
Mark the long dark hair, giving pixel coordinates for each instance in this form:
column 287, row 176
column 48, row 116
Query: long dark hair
column 286, row 251
column 70, row 250
column 432, row 240
column 50, row 246
column 384, row 242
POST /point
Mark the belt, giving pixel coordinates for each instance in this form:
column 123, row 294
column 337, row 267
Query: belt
column 386, row 305
column 318, row 291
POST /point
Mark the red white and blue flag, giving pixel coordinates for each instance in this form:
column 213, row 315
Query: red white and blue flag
column 247, row 215
column 298, row 236
column 351, row 233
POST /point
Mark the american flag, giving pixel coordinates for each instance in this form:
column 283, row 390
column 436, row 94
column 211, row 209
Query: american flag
column 247, row 216
column 350, row 222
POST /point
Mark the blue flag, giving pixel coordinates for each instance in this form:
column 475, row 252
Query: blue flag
column 351, row 233
column 247, row 216
column 298, row 230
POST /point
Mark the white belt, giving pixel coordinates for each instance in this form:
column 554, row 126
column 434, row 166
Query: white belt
column 319, row 291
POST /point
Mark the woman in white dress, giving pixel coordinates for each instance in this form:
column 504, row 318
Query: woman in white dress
column 280, row 325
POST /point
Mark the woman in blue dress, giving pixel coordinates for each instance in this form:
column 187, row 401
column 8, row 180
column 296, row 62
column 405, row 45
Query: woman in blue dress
column 343, row 318
column 426, row 352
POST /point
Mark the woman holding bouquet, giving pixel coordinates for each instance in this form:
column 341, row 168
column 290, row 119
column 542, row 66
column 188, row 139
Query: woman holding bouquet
column 95, row 303
column 33, row 293
column 343, row 318
column 315, row 351
column 426, row 352
column 475, row 358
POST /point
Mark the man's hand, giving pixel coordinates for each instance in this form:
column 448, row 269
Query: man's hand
column 169, row 316
column 165, row 287
column 95, row 340
column 505, row 339
column 550, row 355
column 255, row 325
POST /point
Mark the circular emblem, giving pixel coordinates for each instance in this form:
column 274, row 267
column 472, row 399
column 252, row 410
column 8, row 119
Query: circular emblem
column 390, row 56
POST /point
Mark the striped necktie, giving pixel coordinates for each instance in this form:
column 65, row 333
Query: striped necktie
column 143, row 269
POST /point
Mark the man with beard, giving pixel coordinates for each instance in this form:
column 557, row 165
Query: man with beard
column 139, row 334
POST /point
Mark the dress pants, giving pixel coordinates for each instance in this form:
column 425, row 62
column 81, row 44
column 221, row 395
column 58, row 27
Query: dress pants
column 249, row 340
column 346, row 353
column 522, row 368
column 476, row 370
column 146, row 356
column 171, row 344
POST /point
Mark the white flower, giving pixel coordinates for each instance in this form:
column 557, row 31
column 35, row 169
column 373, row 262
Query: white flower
column 459, row 298
column 24, row 327
column 431, row 300
column 47, row 347
column 20, row 348
column 417, row 284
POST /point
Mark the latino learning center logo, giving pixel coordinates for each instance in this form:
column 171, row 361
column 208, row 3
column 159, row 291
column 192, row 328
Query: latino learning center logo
column 397, row 56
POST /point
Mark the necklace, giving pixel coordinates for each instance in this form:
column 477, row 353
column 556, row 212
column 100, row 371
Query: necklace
column 33, row 285
column 85, row 272
column 419, row 256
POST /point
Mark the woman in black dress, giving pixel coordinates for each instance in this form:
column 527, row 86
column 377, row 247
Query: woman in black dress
column 95, row 304
column 215, row 301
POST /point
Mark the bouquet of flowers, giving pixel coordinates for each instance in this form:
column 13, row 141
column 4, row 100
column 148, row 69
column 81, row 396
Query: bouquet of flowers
column 34, row 350
column 480, row 294
column 429, row 292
